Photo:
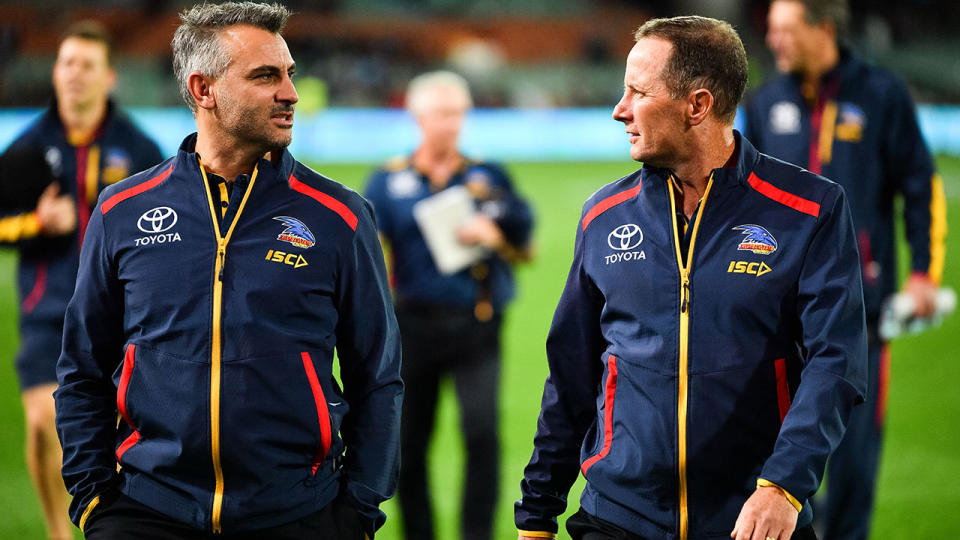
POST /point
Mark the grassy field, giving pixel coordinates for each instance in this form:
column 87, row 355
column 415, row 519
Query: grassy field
column 918, row 493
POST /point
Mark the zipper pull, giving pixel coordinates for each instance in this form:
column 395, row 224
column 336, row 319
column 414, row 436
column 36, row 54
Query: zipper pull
column 221, row 255
column 685, row 295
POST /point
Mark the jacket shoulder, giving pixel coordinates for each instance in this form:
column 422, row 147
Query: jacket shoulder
column 134, row 185
column 333, row 195
column 792, row 186
column 609, row 196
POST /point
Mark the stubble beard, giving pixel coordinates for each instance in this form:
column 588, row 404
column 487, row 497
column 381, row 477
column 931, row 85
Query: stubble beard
column 252, row 125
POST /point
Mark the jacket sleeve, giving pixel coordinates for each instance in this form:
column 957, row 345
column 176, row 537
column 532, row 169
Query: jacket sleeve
column 834, row 376
column 574, row 347
column 368, row 347
column 86, row 397
column 909, row 167
column 509, row 210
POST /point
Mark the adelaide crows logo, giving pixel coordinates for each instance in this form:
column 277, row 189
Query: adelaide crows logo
column 296, row 232
column 756, row 239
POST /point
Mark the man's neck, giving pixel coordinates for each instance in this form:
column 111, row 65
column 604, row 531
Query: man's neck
column 818, row 67
column 224, row 159
column 81, row 121
column 438, row 164
column 713, row 151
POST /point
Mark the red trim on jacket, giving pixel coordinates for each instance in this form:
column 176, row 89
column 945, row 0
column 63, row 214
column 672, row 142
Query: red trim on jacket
column 125, row 375
column 83, row 206
column 609, row 394
column 117, row 198
column 783, row 387
column 326, row 200
column 323, row 415
column 609, row 203
column 788, row 199
column 883, row 387
column 39, row 288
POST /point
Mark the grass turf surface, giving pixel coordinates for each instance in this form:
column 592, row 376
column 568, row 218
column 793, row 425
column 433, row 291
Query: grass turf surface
column 918, row 491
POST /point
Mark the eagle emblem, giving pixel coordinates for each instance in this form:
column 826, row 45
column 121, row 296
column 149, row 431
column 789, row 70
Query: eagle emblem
column 295, row 232
column 756, row 239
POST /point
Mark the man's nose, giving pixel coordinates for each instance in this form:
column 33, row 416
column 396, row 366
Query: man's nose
column 287, row 92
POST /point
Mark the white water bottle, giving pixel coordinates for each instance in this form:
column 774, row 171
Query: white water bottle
column 897, row 316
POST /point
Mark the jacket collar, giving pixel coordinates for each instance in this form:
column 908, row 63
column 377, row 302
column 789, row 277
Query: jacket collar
column 734, row 172
column 267, row 170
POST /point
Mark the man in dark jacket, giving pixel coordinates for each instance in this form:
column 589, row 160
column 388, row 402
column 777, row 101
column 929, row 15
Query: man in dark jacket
column 214, row 290
column 710, row 341
column 49, row 181
column 854, row 123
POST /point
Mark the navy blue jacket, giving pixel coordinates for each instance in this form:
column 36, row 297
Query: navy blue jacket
column 218, row 352
column 674, row 386
column 861, row 131
column 398, row 186
column 47, row 268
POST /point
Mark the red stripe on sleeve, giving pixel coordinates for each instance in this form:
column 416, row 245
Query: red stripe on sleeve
column 609, row 203
column 783, row 387
column 326, row 200
column 788, row 199
column 134, row 191
column 608, row 396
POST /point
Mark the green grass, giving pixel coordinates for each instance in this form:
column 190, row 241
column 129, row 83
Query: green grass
column 918, row 491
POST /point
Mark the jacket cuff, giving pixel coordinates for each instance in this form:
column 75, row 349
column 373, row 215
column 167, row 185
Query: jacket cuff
column 793, row 500
column 536, row 534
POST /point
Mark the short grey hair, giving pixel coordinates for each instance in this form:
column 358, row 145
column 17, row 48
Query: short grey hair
column 196, row 43
column 420, row 87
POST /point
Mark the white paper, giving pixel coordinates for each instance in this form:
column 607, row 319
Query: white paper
column 439, row 216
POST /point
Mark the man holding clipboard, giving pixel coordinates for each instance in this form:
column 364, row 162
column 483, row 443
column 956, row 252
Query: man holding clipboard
column 453, row 226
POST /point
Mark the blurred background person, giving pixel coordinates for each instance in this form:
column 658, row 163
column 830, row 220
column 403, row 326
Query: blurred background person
column 449, row 323
column 78, row 146
column 855, row 124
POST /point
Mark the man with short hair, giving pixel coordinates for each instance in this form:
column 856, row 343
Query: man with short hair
column 709, row 343
column 214, row 290
column 835, row 115
column 50, row 177
column 450, row 321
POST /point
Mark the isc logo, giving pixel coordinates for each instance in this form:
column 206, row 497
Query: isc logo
column 743, row 267
column 293, row 259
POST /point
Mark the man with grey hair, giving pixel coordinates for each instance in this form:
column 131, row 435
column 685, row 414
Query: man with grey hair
column 450, row 320
column 710, row 341
column 206, row 316
column 832, row 113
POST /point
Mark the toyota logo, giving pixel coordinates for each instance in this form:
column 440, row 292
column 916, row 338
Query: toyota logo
column 157, row 220
column 625, row 237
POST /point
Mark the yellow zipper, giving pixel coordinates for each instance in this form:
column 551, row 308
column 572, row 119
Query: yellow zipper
column 684, row 344
column 215, row 351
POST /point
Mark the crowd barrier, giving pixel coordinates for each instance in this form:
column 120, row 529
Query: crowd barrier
column 357, row 135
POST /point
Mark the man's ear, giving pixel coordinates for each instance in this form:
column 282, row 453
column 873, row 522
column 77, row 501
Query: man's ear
column 201, row 90
column 699, row 106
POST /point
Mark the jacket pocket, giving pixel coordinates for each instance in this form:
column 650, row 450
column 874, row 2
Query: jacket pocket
column 129, row 358
column 609, row 393
column 323, row 415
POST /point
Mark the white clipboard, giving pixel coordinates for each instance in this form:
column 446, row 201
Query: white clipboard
column 439, row 216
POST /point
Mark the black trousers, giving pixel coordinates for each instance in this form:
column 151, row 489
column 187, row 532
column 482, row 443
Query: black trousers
column 121, row 518
column 584, row 526
column 438, row 341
